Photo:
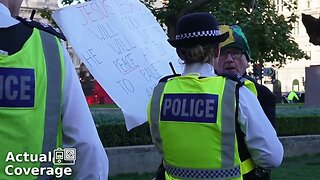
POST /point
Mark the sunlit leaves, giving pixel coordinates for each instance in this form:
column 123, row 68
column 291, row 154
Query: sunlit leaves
column 268, row 33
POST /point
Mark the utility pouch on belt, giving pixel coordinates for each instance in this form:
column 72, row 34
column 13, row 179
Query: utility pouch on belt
column 258, row 173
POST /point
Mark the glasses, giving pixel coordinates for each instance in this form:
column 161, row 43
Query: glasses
column 235, row 54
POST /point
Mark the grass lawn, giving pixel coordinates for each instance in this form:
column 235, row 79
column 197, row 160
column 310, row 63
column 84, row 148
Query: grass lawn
column 296, row 168
column 132, row 177
column 289, row 104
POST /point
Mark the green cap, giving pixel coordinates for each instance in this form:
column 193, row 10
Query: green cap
column 236, row 39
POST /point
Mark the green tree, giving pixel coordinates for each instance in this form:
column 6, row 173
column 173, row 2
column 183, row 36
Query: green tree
column 46, row 14
column 268, row 33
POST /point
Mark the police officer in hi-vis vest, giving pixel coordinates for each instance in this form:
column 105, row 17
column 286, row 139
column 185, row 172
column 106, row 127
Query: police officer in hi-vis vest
column 193, row 117
column 42, row 107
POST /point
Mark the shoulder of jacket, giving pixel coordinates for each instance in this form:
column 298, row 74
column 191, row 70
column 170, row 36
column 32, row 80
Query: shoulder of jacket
column 42, row 26
column 237, row 78
column 165, row 79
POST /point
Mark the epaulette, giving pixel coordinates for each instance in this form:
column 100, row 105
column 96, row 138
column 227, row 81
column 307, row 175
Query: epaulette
column 164, row 79
column 42, row 26
column 237, row 78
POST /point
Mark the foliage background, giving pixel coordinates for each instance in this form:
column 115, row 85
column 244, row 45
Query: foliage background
column 269, row 34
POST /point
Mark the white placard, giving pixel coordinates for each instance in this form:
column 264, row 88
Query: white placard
column 124, row 48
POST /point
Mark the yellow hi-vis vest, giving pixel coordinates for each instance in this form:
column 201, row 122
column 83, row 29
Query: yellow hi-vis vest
column 192, row 123
column 250, row 85
column 31, row 89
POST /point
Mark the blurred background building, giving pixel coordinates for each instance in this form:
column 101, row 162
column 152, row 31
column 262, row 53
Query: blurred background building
column 292, row 75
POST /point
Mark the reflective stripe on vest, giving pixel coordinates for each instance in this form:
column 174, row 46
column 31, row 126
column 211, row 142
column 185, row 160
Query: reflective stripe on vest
column 202, row 173
column 228, row 126
column 247, row 166
column 53, row 100
column 155, row 115
column 227, row 131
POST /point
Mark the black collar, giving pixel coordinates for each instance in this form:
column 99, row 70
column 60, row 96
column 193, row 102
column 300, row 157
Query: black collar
column 14, row 37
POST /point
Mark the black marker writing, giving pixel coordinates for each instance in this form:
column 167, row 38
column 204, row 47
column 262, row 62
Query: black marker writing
column 91, row 58
column 126, row 85
column 125, row 64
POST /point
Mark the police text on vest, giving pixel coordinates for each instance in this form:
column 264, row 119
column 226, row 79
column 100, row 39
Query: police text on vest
column 190, row 107
column 17, row 87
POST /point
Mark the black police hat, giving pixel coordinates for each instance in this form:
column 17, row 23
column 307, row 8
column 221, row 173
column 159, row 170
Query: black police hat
column 197, row 28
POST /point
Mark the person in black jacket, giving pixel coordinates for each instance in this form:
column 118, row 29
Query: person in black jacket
column 237, row 47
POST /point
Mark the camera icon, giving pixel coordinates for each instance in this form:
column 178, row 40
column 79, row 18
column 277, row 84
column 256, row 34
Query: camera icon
column 64, row 156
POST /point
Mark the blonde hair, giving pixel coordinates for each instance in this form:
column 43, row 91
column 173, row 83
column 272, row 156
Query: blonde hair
column 196, row 54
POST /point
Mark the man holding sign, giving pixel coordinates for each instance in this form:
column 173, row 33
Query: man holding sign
column 42, row 107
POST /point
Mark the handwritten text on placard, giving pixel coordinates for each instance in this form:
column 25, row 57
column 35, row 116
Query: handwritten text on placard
column 124, row 48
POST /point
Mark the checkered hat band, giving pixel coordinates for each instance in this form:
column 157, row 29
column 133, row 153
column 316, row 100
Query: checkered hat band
column 203, row 174
column 198, row 34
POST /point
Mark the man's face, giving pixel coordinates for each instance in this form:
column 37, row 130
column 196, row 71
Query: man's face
column 231, row 61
